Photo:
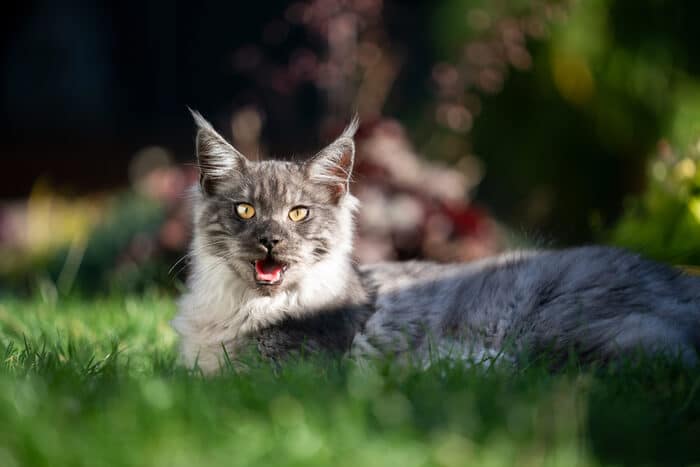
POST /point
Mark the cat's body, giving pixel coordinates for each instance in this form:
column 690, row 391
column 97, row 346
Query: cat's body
column 283, row 281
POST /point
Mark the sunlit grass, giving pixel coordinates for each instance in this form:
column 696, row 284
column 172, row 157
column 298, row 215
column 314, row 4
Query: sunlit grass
column 96, row 383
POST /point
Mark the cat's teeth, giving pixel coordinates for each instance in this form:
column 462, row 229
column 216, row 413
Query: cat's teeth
column 268, row 270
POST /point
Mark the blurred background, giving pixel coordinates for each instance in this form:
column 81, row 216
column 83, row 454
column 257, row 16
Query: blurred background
column 486, row 125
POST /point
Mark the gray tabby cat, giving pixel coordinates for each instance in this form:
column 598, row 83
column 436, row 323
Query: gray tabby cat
column 271, row 267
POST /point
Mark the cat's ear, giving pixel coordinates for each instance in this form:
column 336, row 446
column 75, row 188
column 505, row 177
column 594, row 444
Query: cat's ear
column 332, row 166
column 216, row 158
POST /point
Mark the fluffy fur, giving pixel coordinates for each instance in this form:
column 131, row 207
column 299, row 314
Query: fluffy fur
column 598, row 302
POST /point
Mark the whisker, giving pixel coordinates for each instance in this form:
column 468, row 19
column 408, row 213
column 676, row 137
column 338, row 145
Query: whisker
column 194, row 251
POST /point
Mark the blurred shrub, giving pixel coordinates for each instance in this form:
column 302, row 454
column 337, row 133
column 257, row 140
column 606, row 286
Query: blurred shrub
column 559, row 103
column 664, row 223
column 120, row 253
column 568, row 99
column 115, row 252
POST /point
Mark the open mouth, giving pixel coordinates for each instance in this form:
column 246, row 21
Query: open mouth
column 268, row 271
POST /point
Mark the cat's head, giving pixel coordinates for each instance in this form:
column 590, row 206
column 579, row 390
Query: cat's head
column 272, row 221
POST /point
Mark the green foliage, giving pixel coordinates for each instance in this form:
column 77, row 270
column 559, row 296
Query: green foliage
column 96, row 383
column 120, row 255
column 565, row 141
column 664, row 223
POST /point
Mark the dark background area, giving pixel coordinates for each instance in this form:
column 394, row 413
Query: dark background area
column 542, row 122
column 85, row 84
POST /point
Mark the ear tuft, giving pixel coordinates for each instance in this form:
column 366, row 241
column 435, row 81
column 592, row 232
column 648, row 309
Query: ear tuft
column 216, row 158
column 201, row 122
column 351, row 129
column 333, row 165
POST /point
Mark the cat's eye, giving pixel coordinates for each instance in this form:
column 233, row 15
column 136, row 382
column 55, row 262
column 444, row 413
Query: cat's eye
column 245, row 211
column 298, row 213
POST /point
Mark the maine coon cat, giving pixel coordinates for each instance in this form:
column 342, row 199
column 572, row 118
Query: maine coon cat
column 272, row 268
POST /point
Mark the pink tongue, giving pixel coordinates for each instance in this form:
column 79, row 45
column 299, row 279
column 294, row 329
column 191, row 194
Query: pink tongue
column 268, row 271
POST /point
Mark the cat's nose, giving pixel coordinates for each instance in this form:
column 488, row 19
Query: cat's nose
column 268, row 242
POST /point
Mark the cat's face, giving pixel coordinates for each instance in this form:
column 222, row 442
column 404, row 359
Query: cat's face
column 272, row 221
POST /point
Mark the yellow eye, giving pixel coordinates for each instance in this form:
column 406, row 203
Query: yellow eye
column 298, row 213
column 245, row 210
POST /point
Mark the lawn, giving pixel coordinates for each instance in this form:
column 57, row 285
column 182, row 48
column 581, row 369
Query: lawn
column 95, row 382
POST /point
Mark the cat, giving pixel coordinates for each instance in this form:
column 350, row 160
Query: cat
column 272, row 269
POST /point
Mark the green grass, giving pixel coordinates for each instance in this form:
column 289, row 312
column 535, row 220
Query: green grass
column 96, row 383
